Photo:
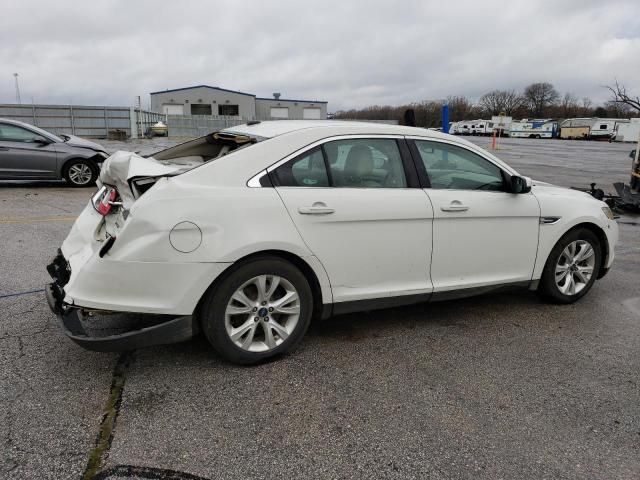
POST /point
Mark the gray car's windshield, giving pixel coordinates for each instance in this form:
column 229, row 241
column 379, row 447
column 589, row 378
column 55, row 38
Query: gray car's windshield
column 46, row 133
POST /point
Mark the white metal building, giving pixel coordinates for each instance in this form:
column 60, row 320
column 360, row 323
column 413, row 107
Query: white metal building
column 216, row 101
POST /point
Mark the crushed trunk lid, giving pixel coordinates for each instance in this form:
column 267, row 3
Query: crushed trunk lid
column 132, row 174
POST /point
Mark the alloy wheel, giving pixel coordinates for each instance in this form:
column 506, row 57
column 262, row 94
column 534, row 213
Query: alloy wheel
column 80, row 173
column 574, row 267
column 262, row 313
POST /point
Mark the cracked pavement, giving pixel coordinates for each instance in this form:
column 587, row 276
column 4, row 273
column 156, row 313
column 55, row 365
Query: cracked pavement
column 497, row 386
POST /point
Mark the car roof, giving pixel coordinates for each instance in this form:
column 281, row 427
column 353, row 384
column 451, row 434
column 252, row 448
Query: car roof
column 274, row 128
column 14, row 122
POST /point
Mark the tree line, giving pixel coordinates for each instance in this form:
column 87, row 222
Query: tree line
column 538, row 100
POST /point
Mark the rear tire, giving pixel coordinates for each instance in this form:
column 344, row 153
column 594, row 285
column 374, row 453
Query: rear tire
column 260, row 310
column 80, row 173
column 572, row 267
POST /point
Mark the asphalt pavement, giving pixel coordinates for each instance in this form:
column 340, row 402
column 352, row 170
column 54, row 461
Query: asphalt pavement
column 496, row 386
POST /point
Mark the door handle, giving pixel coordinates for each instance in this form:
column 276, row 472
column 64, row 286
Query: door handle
column 318, row 208
column 455, row 206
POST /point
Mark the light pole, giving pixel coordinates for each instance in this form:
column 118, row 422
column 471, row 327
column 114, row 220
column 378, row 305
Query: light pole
column 18, row 100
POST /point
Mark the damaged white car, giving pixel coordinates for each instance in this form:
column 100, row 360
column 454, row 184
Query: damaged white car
column 248, row 233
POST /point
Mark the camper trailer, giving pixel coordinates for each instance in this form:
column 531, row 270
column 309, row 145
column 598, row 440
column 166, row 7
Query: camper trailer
column 533, row 129
column 605, row 128
column 481, row 127
column 464, row 128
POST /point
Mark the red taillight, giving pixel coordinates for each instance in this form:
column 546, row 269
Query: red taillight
column 103, row 200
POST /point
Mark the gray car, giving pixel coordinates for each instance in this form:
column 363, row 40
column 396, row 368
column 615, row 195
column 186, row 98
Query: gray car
column 31, row 153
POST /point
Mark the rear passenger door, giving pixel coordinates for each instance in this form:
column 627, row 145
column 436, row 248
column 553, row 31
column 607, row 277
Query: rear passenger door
column 357, row 204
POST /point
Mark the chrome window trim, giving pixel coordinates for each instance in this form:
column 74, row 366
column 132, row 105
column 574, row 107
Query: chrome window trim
column 254, row 182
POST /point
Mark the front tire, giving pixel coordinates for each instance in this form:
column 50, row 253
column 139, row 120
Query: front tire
column 572, row 267
column 80, row 173
column 260, row 310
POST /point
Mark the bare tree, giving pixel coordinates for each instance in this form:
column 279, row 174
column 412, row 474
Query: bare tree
column 617, row 110
column 460, row 108
column 499, row 101
column 621, row 96
column 569, row 105
column 539, row 96
column 585, row 107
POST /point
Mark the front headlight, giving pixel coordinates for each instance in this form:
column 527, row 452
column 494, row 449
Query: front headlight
column 607, row 211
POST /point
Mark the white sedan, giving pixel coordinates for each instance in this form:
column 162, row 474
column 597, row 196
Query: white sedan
column 248, row 233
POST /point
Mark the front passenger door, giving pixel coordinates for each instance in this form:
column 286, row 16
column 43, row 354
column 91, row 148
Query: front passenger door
column 482, row 234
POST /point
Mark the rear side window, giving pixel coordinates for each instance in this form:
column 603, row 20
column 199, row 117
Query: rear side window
column 307, row 170
column 365, row 163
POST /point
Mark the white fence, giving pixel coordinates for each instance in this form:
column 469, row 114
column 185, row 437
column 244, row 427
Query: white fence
column 90, row 121
column 103, row 122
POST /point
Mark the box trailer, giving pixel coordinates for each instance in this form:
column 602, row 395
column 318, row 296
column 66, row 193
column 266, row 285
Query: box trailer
column 575, row 133
column 576, row 128
column 628, row 132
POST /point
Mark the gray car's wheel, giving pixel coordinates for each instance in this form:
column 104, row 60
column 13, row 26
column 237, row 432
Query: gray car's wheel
column 260, row 310
column 572, row 267
column 80, row 173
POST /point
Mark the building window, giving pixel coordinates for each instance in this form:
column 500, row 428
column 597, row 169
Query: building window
column 197, row 109
column 228, row 110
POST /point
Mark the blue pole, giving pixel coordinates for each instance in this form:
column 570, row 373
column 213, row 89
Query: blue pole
column 445, row 118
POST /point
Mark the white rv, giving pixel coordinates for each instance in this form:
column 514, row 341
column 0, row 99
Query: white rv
column 538, row 128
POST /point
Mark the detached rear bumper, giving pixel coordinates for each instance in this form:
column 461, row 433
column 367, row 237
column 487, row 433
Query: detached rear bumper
column 172, row 330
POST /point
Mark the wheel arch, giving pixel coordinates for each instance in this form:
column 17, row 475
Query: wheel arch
column 91, row 159
column 602, row 238
column 604, row 243
column 319, row 309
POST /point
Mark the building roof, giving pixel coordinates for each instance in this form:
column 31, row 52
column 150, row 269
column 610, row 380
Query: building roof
column 202, row 86
column 290, row 100
column 234, row 91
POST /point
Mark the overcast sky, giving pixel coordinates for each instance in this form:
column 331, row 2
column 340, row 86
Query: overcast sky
column 352, row 54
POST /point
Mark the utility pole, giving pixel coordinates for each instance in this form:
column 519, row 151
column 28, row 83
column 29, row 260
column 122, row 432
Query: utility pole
column 18, row 100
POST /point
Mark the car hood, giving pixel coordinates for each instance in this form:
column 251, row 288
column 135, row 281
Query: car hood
column 547, row 190
column 74, row 141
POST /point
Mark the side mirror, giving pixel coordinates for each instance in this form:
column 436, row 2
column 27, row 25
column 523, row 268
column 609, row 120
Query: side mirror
column 520, row 184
